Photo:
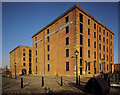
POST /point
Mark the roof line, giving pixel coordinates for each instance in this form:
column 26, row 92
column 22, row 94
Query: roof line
column 69, row 10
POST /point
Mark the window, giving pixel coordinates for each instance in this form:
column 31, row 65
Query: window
column 81, row 28
column 23, row 64
column 80, row 62
column 36, row 69
column 35, row 38
column 67, row 41
column 48, row 57
column 100, row 46
column 111, row 43
column 104, row 56
column 81, row 71
column 23, row 49
column 103, row 32
column 95, row 26
column 36, row 52
column 47, row 31
column 100, row 66
column 99, row 37
column 88, row 21
column 48, row 48
column 23, row 54
column 81, row 17
column 111, row 58
column 99, row 29
column 36, row 60
column 94, row 34
column 36, row 45
column 23, row 59
column 29, row 55
column 111, row 36
column 67, row 52
column 89, row 42
column 107, row 57
column 48, row 39
column 111, row 51
column 67, row 29
column 67, row 66
column 94, row 44
column 103, row 39
column 66, row 19
column 107, row 41
column 103, row 47
column 30, row 64
column 88, row 65
column 100, row 55
column 107, row 49
column 89, row 53
column 107, row 34
column 88, row 31
column 81, row 39
column 29, row 51
column 48, row 67
column 29, row 59
column 107, row 67
column 80, row 51
column 94, row 55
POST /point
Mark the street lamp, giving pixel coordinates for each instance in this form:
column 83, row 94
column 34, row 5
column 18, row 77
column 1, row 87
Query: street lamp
column 76, row 53
column 15, row 71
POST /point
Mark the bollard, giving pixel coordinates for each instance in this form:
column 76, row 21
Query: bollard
column 21, row 82
column 42, row 81
column 61, row 81
column 79, row 80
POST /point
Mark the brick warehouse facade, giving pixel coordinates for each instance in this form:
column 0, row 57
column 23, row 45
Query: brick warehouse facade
column 21, row 60
column 54, row 46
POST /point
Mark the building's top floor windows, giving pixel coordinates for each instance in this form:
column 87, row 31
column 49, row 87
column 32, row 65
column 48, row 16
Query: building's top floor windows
column 66, row 19
column 23, row 49
column 47, row 31
column 81, row 17
column 107, row 34
column 94, row 34
column 111, row 36
column 29, row 51
column 99, row 29
column 103, row 32
column 88, row 31
column 94, row 26
column 35, row 38
column 88, row 21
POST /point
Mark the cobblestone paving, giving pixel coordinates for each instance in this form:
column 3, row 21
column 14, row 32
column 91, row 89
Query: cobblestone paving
column 33, row 84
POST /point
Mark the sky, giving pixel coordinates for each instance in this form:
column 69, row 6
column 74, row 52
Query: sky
column 21, row 20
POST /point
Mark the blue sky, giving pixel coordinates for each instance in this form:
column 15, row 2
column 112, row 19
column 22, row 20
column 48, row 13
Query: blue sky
column 20, row 21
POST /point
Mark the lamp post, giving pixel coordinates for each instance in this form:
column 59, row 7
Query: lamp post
column 76, row 53
column 15, row 71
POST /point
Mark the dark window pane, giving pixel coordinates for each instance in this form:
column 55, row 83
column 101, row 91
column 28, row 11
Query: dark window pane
column 67, row 41
column 48, row 67
column 48, row 57
column 80, row 51
column 81, row 28
column 66, row 19
column 89, row 42
column 88, row 21
column 81, row 17
column 47, row 31
column 67, row 66
column 88, row 53
column 81, row 39
column 67, row 52
column 88, row 31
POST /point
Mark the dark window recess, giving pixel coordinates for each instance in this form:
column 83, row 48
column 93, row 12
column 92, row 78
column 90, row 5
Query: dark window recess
column 104, row 56
column 66, row 19
column 81, row 51
column 30, row 64
column 36, row 69
column 111, row 36
column 88, row 21
column 94, row 44
column 99, row 29
column 23, row 59
column 103, row 48
column 48, row 39
column 36, row 52
column 94, row 55
column 48, row 56
column 111, row 51
column 107, row 57
column 80, row 62
column 29, row 59
column 100, row 66
column 80, row 71
column 94, row 34
column 103, row 39
column 23, row 49
column 88, row 31
column 30, row 51
column 29, row 55
column 48, row 67
column 81, row 39
column 23, row 54
column 48, row 47
column 100, row 46
column 111, row 43
column 100, row 55
column 95, row 26
column 89, row 42
column 99, row 37
column 36, row 45
column 36, row 60
column 107, row 49
column 47, row 31
column 81, row 28
column 107, row 34
column 67, row 66
column 67, row 52
column 88, row 53
column 67, row 29
column 107, row 41
column 23, row 64
column 88, row 65
column 111, row 58
column 103, row 32
column 107, row 67
column 81, row 17
column 67, row 41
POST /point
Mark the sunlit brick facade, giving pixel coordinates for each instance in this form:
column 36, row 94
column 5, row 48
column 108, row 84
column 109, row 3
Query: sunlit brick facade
column 21, row 60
